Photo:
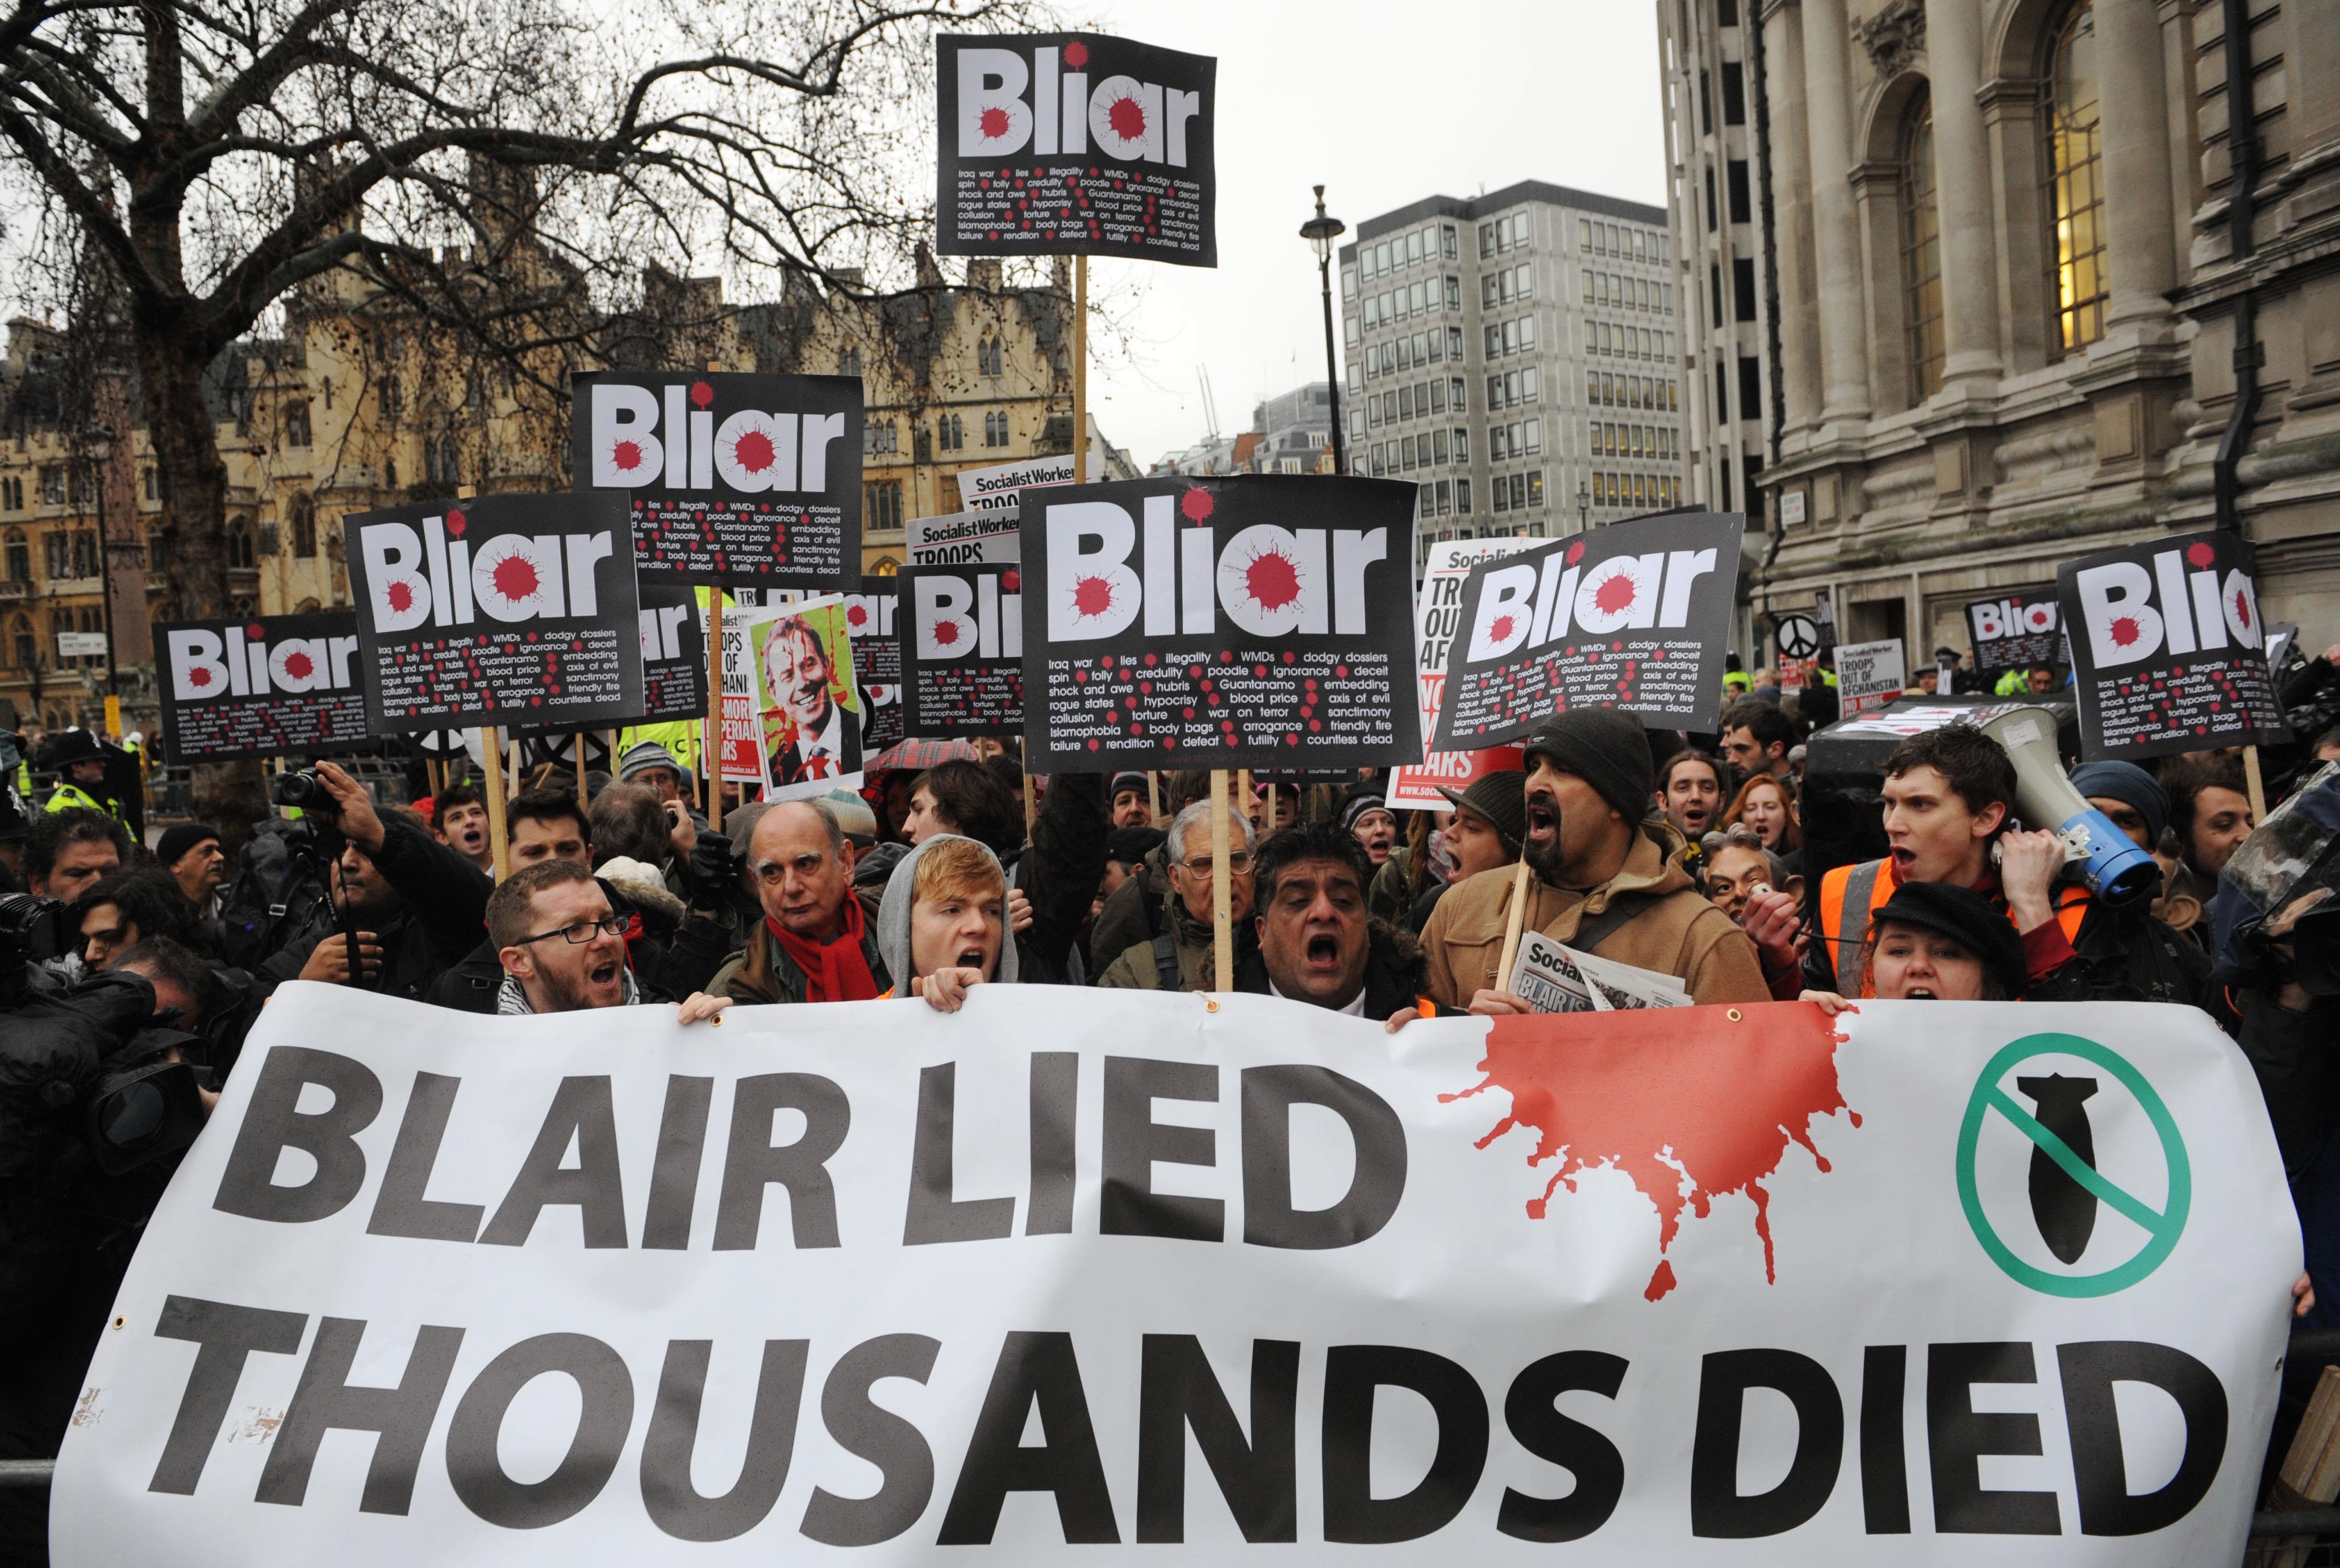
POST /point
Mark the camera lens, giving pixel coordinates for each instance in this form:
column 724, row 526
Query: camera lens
column 132, row 1114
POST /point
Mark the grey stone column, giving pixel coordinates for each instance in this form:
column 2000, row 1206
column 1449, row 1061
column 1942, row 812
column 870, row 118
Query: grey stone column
column 1792, row 183
column 1962, row 194
column 2140, row 227
column 1836, row 234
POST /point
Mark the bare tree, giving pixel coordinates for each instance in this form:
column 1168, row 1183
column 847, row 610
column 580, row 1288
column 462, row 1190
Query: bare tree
column 501, row 169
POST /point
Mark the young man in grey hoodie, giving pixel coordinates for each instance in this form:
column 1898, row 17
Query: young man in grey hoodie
column 942, row 926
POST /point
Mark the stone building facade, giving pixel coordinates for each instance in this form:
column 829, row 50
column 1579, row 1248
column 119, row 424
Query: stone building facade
column 357, row 407
column 2007, row 282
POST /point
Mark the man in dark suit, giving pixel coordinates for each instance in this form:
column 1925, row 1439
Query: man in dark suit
column 799, row 675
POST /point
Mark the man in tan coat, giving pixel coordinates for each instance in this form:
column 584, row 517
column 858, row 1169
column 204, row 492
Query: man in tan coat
column 1599, row 883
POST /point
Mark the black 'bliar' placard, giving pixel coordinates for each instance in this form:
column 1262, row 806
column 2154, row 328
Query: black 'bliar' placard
column 260, row 686
column 869, row 621
column 962, row 640
column 747, row 481
column 2015, row 632
column 1073, row 144
column 674, row 653
column 1254, row 621
column 1635, row 616
column 2167, row 651
column 509, row 608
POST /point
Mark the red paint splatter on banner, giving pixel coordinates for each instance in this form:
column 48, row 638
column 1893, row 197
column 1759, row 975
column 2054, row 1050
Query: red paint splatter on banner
column 1077, row 54
column 993, row 124
column 945, row 634
column 515, row 578
column 2200, row 555
column 401, row 597
column 1503, row 627
column 753, row 451
column 299, row 665
column 1615, row 593
column 2125, row 630
column 856, row 616
column 1092, row 596
column 625, row 456
column 1126, row 116
column 1639, row 1093
column 2243, row 609
column 199, row 677
column 1272, row 579
column 1196, row 504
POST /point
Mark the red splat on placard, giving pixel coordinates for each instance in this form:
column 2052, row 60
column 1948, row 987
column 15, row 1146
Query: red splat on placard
column 401, row 597
column 299, row 665
column 1502, row 628
column 1615, row 593
column 1661, row 1094
column 1127, row 117
column 1077, row 54
column 2243, row 609
column 2200, row 555
column 753, row 451
column 456, row 523
column 993, row 123
column 515, row 577
column 701, row 395
column 627, row 456
column 1196, row 504
column 1272, row 579
column 945, row 634
column 1092, row 596
column 199, row 676
column 2124, row 631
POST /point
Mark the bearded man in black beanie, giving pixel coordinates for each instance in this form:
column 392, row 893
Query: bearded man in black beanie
column 1600, row 882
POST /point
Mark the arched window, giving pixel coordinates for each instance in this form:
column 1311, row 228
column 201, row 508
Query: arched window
column 2078, row 283
column 848, row 361
column 304, row 525
column 1921, row 251
column 20, row 556
column 24, row 645
column 239, row 544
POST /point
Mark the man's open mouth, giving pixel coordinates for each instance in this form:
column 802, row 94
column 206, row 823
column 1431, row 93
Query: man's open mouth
column 1324, row 951
column 970, row 959
column 1544, row 818
column 605, row 973
column 1904, row 858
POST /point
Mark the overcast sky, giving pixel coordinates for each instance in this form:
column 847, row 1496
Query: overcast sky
column 1385, row 103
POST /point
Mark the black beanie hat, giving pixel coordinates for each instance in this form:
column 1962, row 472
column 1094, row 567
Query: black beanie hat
column 1967, row 918
column 1605, row 748
column 180, row 837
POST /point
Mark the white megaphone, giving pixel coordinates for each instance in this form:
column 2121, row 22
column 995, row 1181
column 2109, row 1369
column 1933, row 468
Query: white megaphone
column 2106, row 859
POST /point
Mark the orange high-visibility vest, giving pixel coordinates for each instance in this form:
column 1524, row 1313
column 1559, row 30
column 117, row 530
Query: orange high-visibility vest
column 1851, row 897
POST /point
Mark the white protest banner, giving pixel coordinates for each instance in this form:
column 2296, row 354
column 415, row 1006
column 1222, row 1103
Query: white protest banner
column 994, row 489
column 1869, row 675
column 963, row 539
column 1932, row 1282
column 1438, row 617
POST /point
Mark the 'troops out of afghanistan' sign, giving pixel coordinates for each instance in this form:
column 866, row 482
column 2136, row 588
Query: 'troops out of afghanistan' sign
column 1225, row 1278
column 265, row 686
column 2169, row 652
column 1254, row 621
column 1073, row 144
column 747, row 481
column 1635, row 616
column 504, row 609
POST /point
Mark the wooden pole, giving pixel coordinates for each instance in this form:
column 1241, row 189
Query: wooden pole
column 1273, row 820
column 1153, row 797
column 583, row 800
column 1249, row 796
column 1512, row 922
column 1080, row 369
column 1223, row 925
column 491, row 747
column 2257, row 789
column 712, row 747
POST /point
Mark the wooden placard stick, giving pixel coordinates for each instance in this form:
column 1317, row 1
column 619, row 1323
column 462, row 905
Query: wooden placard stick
column 1223, row 925
column 1512, row 923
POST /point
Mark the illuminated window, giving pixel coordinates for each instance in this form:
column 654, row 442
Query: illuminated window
column 2077, row 283
column 1922, row 254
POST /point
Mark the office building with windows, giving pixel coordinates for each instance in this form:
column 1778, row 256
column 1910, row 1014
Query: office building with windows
column 1515, row 354
column 1973, row 287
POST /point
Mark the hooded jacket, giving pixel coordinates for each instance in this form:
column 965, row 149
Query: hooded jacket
column 894, row 917
column 1675, row 931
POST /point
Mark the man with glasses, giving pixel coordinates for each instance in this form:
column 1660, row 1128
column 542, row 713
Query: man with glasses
column 563, row 947
column 816, row 942
column 1180, row 959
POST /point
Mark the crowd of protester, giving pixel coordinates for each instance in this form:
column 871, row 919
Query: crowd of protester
column 1683, row 855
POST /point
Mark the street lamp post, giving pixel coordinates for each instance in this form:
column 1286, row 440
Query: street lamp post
column 1320, row 231
column 99, row 441
column 1583, row 506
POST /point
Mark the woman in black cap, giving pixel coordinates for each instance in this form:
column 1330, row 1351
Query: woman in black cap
column 1939, row 942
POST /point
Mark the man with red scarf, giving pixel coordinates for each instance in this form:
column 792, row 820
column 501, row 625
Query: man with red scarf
column 816, row 942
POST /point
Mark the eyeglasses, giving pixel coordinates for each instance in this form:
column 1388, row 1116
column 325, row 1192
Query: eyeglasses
column 1238, row 861
column 582, row 932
